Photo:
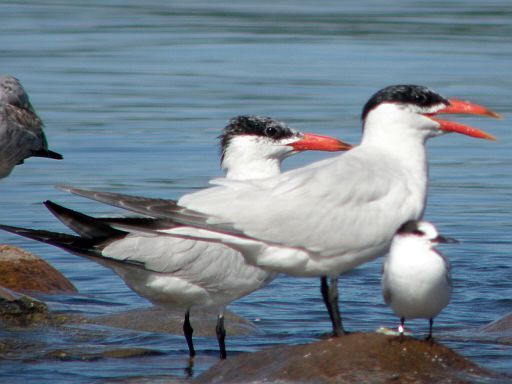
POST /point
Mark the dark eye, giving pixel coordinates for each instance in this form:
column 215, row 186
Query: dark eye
column 271, row 131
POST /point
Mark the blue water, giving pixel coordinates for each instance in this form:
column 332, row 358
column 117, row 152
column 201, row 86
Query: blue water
column 134, row 94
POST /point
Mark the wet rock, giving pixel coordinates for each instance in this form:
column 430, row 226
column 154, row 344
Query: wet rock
column 20, row 310
column 16, row 349
column 500, row 330
column 356, row 358
column 23, row 272
column 80, row 355
column 503, row 324
column 155, row 319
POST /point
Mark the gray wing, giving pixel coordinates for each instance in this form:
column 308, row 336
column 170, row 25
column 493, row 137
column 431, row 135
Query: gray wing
column 386, row 292
column 292, row 210
column 157, row 208
column 448, row 267
column 355, row 197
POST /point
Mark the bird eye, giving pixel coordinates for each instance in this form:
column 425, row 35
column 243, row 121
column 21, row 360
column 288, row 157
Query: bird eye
column 270, row 131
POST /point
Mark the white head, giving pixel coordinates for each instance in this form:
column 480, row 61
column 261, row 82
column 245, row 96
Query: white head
column 254, row 146
column 421, row 231
column 400, row 112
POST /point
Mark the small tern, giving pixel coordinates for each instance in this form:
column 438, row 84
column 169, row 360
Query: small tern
column 416, row 280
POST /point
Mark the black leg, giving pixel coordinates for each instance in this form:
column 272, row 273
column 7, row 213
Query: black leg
column 221, row 335
column 189, row 371
column 430, row 326
column 330, row 296
column 401, row 329
column 188, row 331
column 324, row 289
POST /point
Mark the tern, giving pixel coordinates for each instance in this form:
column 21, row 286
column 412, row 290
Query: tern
column 416, row 279
column 177, row 273
column 21, row 130
column 333, row 215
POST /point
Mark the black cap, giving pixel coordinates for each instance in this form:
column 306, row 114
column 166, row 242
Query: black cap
column 405, row 94
column 255, row 126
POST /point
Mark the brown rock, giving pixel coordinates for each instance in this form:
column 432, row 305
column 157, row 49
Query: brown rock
column 356, row 358
column 22, row 272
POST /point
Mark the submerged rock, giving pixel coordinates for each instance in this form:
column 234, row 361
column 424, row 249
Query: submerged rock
column 155, row 319
column 22, row 272
column 81, row 355
column 499, row 330
column 17, row 309
column 503, row 324
column 356, row 358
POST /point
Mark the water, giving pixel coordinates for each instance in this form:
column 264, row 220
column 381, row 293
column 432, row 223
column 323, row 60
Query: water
column 134, row 96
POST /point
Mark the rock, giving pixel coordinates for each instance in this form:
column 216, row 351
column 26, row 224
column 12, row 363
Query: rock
column 503, row 324
column 81, row 355
column 17, row 309
column 499, row 330
column 155, row 319
column 23, row 272
column 356, row 358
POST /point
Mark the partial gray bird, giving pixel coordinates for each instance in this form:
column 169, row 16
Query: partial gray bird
column 21, row 130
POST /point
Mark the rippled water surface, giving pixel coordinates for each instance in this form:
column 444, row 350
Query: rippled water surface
column 135, row 93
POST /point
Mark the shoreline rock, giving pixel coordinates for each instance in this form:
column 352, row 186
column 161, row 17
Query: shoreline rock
column 23, row 272
column 355, row 358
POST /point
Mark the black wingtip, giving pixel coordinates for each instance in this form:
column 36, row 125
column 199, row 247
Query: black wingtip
column 51, row 205
column 86, row 226
column 8, row 228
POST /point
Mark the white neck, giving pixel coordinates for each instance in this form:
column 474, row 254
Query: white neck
column 398, row 134
column 249, row 157
column 255, row 169
column 396, row 126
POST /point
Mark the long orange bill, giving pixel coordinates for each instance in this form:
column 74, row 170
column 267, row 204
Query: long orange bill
column 451, row 126
column 468, row 108
column 310, row 142
column 464, row 108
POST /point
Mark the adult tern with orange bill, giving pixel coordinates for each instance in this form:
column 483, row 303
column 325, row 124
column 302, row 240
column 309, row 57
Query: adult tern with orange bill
column 176, row 273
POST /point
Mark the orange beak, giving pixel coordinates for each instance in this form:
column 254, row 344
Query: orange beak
column 310, row 142
column 465, row 108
